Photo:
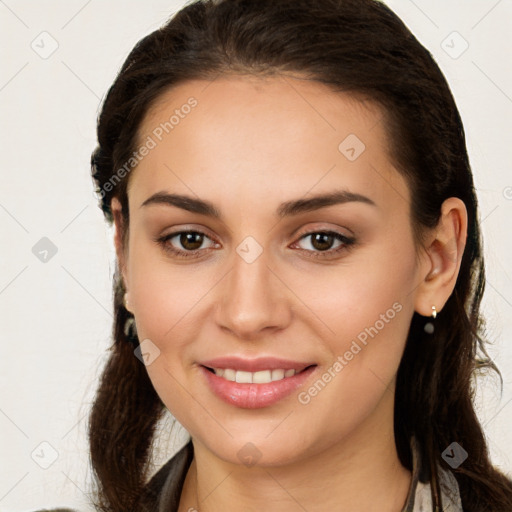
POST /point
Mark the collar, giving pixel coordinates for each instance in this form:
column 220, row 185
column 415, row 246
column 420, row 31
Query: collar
column 421, row 496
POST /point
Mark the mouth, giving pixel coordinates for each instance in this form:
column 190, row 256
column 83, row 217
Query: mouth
column 270, row 381
column 259, row 377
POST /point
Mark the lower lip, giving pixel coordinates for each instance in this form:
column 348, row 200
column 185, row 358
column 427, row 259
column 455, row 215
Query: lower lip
column 255, row 396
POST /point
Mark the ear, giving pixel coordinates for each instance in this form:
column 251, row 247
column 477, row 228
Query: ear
column 440, row 267
column 119, row 225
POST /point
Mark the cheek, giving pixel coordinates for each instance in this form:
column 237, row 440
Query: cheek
column 166, row 300
column 367, row 296
column 366, row 308
column 165, row 296
column 364, row 355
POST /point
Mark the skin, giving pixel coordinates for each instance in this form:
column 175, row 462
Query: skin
column 248, row 145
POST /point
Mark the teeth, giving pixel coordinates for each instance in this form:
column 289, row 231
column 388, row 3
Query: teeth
column 277, row 375
column 228, row 374
column 243, row 377
column 261, row 377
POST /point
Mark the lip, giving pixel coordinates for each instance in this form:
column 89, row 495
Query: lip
column 255, row 365
column 254, row 396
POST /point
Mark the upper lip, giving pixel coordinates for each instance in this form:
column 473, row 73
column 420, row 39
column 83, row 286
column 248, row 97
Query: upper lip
column 255, row 365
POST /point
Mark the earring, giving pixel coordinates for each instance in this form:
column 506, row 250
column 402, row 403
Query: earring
column 429, row 326
column 130, row 329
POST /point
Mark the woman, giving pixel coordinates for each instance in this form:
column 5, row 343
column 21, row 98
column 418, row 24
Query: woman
column 299, row 268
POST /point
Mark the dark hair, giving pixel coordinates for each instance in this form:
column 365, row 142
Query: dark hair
column 362, row 48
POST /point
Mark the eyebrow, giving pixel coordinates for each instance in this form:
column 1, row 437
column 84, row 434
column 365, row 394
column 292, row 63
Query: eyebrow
column 285, row 209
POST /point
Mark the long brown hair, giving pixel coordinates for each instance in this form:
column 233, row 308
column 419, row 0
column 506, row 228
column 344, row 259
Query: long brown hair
column 359, row 47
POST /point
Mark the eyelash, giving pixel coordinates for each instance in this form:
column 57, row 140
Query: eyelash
column 347, row 244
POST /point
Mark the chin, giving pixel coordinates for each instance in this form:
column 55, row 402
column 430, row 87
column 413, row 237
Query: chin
column 259, row 449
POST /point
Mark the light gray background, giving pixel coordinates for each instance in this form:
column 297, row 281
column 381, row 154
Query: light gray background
column 56, row 316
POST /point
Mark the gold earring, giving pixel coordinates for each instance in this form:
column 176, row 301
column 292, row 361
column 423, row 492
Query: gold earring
column 429, row 326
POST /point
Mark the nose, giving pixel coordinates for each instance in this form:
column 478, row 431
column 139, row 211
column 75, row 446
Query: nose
column 254, row 300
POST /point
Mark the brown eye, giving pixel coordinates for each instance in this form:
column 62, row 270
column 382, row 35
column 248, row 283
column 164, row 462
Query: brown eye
column 189, row 244
column 191, row 240
column 323, row 243
column 185, row 243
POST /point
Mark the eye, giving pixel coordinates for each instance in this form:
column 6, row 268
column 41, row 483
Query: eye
column 322, row 242
column 191, row 241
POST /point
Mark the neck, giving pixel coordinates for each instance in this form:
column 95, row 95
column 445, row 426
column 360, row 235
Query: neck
column 359, row 472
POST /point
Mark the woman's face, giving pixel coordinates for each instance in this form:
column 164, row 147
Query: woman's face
column 279, row 280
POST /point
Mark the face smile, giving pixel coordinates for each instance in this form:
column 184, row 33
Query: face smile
column 259, row 251
column 253, row 390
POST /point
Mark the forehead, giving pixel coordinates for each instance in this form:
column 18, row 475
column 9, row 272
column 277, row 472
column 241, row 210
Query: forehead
column 272, row 137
